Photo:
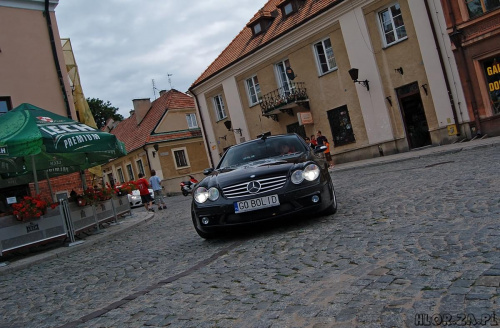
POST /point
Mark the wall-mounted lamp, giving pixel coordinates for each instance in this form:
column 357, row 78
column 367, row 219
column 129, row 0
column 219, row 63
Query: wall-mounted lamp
column 227, row 124
column 353, row 72
column 399, row 70
column 389, row 100
column 457, row 37
column 289, row 72
column 156, row 147
column 424, row 86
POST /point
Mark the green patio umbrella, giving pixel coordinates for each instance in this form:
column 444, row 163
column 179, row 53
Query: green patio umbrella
column 34, row 140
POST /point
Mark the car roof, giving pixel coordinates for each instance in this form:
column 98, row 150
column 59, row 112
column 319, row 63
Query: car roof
column 266, row 137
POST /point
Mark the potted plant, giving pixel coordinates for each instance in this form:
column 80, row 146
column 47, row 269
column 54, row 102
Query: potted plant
column 105, row 193
column 125, row 188
column 31, row 208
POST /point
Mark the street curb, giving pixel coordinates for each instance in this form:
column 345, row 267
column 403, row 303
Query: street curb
column 65, row 250
column 432, row 152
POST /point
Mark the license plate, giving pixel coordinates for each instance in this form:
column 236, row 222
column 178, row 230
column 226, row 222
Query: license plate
column 256, row 203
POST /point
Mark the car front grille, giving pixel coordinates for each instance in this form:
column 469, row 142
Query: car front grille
column 241, row 190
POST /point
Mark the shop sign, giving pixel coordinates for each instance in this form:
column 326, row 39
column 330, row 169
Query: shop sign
column 305, row 118
column 11, row 200
column 4, row 150
column 492, row 70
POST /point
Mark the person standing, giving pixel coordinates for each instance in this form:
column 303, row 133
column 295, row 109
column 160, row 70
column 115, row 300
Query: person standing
column 308, row 142
column 314, row 143
column 155, row 183
column 322, row 141
column 328, row 156
column 143, row 186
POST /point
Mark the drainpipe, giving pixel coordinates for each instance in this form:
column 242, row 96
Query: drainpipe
column 456, row 38
column 446, row 80
column 147, row 156
column 203, row 126
column 56, row 58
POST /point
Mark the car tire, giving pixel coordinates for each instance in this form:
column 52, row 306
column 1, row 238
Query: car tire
column 332, row 209
column 202, row 234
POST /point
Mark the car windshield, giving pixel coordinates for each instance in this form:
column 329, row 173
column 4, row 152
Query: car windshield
column 277, row 146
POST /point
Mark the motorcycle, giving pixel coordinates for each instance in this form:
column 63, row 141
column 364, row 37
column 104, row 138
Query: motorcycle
column 188, row 186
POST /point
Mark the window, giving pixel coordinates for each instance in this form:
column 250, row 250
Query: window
column 341, row 126
column 220, row 111
column 253, row 89
column 191, row 119
column 257, row 28
column 140, row 167
column 492, row 73
column 393, row 27
column 288, row 9
column 479, row 7
column 324, row 56
column 5, row 105
column 285, row 85
column 130, row 172
column 111, row 179
column 180, row 158
column 120, row 175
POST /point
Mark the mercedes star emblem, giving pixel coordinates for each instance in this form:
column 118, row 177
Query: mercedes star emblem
column 253, row 187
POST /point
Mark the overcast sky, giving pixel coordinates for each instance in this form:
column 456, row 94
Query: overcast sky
column 120, row 46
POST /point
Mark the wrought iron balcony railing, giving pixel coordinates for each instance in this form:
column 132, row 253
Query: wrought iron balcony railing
column 284, row 99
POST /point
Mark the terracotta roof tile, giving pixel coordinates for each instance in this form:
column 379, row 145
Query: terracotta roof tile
column 245, row 43
column 137, row 135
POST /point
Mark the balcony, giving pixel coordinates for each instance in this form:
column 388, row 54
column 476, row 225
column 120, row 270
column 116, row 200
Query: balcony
column 284, row 99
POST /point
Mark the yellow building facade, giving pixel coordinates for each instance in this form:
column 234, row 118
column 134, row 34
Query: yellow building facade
column 401, row 99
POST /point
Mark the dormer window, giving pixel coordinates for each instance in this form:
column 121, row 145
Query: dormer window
column 289, row 7
column 261, row 22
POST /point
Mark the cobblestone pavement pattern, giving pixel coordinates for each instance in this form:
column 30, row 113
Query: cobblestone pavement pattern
column 411, row 239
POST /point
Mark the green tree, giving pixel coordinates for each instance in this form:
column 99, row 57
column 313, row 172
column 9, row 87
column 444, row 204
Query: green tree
column 102, row 111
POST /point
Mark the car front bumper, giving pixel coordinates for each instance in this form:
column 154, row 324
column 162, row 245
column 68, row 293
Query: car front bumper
column 221, row 213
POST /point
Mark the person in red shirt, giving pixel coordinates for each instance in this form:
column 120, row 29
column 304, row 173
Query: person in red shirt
column 313, row 141
column 143, row 186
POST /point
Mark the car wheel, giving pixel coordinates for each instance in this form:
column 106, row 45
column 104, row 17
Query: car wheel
column 202, row 234
column 332, row 209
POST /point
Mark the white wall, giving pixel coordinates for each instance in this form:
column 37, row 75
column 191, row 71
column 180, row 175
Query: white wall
column 360, row 52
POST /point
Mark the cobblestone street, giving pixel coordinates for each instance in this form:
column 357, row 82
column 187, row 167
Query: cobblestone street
column 413, row 243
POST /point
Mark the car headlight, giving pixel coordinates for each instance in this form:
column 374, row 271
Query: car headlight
column 201, row 195
column 297, row 176
column 311, row 172
column 213, row 194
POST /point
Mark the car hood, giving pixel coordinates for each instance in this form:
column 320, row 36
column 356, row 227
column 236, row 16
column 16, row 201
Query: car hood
column 252, row 171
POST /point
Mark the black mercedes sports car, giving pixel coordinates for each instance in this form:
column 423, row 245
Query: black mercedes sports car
column 263, row 179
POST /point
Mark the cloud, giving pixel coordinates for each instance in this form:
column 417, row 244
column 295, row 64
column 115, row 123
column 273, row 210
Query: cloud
column 121, row 45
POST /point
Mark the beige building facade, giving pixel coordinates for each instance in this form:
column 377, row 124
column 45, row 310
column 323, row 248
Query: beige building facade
column 27, row 58
column 162, row 135
column 402, row 99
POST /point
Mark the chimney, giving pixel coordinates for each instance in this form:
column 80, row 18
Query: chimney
column 131, row 112
column 162, row 92
column 110, row 124
column 141, row 108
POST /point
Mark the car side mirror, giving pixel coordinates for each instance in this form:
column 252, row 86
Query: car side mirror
column 320, row 149
column 208, row 171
